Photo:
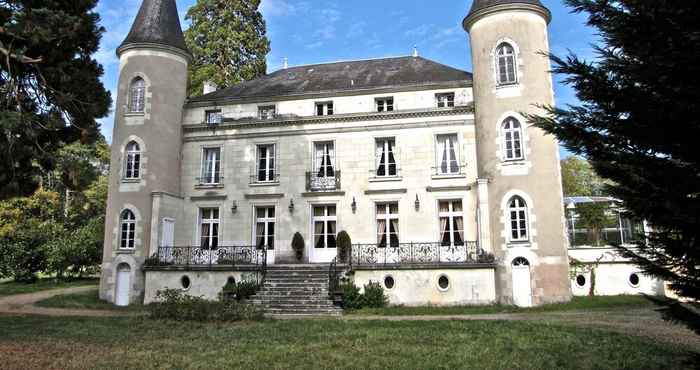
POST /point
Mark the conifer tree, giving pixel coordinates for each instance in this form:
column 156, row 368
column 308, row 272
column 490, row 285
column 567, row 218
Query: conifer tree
column 228, row 42
column 638, row 122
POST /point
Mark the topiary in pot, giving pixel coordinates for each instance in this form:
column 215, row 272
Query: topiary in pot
column 298, row 245
column 344, row 243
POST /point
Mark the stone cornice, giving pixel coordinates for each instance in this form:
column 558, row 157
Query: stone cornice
column 479, row 14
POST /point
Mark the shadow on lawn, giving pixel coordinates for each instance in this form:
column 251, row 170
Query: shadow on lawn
column 686, row 314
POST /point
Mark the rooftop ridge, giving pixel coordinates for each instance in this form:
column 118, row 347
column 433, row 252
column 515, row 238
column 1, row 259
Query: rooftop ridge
column 349, row 61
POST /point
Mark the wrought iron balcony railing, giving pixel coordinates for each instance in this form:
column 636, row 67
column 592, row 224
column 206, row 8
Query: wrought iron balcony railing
column 268, row 178
column 210, row 180
column 314, row 182
column 449, row 170
column 432, row 253
column 200, row 256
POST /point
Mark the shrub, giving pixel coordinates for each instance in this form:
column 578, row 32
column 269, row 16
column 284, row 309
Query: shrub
column 344, row 244
column 374, row 296
column 173, row 304
column 352, row 299
column 298, row 245
column 239, row 291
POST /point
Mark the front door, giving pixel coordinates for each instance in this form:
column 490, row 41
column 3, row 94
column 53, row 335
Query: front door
column 123, row 283
column 324, row 232
column 522, row 290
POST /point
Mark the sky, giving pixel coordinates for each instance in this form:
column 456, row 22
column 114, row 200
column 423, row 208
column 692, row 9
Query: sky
column 318, row 31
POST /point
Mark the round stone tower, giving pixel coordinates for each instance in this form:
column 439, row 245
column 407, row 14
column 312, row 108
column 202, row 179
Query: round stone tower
column 146, row 144
column 520, row 192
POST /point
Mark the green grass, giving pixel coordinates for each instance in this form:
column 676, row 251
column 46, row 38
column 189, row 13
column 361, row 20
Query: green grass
column 30, row 342
column 11, row 287
column 577, row 303
column 85, row 300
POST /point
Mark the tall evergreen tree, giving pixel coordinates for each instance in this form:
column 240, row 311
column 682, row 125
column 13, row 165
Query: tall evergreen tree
column 639, row 123
column 50, row 93
column 228, row 42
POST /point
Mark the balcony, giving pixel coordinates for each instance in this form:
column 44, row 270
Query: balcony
column 207, row 258
column 265, row 179
column 209, row 181
column 424, row 254
column 449, row 171
column 322, row 183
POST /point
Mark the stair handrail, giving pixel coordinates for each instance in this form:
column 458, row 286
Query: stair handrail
column 262, row 268
column 333, row 277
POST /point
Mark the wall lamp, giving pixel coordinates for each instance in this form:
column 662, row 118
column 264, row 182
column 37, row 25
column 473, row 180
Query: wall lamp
column 417, row 203
column 291, row 205
column 234, row 207
column 353, row 205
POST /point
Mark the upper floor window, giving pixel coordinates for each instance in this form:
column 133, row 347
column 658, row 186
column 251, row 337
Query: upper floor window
column 451, row 222
column 512, row 135
column 209, row 228
column 211, row 166
column 137, row 95
column 386, row 157
column 212, row 117
column 447, row 155
column 445, row 100
column 324, row 159
column 133, row 161
column 505, row 64
column 267, row 112
column 385, row 104
column 324, row 109
column 517, row 218
column 128, row 229
column 265, row 171
column 388, row 224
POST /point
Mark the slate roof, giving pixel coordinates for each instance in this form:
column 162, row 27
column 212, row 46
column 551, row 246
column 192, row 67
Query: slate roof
column 157, row 22
column 343, row 77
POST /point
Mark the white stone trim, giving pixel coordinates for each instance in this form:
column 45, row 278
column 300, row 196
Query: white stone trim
column 505, row 221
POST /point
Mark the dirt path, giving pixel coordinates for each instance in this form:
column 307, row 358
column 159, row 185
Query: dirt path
column 23, row 304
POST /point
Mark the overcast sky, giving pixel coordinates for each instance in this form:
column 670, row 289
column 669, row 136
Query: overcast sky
column 316, row 31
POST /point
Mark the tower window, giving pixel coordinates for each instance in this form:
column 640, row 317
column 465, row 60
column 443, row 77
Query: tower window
column 517, row 218
column 133, row 161
column 512, row 135
column 324, row 109
column 267, row 112
column 137, row 95
column 505, row 64
column 445, row 100
column 385, row 104
column 128, row 230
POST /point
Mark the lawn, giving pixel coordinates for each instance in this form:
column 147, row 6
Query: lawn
column 84, row 300
column 32, row 342
column 577, row 303
column 11, row 287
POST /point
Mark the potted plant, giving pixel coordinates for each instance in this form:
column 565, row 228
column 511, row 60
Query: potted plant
column 344, row 244
column 298, row 245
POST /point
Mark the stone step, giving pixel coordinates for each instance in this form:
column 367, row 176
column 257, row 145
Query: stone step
column 294, row 279
column 296, row 291
column 321, row 275
column 294, row 284
column 304, row 311
column 293, row 301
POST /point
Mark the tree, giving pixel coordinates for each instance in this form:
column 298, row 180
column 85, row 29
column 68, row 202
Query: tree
column 579, row 178
column 50, row 92
column 228, row 42
column 638, row 121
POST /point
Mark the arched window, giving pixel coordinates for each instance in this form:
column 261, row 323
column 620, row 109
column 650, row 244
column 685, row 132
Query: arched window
column 505, row 64
column 512, row 134
column 517, row 216
column 137, row 95
column 133, row 161
column 128, row 228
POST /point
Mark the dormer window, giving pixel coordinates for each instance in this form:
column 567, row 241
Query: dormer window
column 137, row 95
column 385, row 104
column 445, row 100
column 212, row 117
column 267, row 112
column 506, row 70
column 324, row 108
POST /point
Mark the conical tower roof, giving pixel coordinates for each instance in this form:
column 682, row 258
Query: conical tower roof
column 482, row 7
column 157, row 23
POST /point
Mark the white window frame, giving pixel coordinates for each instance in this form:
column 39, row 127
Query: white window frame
column 520, row 215
column 451, row 215
column 132, row 159
column 512, row 56
column 270, row 163
column 385, row 104
column 270, row 110
column 384, row 142
column 387, row 217
column 457, row 155
column 209, row 175
column 445, row 100
column 127, row 226
column 137, row 95
column 212, row 113
column 211, row 221
column 327, row 108
column 508, row 128
column 326, row 219
column 266, row 220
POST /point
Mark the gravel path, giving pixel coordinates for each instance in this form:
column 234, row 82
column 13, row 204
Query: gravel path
column 23, row 304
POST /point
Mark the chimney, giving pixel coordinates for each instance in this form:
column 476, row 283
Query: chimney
column 286, row 63
column 415, row 51
column 209, row 87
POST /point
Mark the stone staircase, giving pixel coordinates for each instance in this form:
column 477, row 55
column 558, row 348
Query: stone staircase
column 296, row 290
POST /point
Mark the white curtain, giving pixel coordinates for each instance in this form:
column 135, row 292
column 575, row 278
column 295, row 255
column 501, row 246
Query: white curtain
column 381, row 231
column 381, row 167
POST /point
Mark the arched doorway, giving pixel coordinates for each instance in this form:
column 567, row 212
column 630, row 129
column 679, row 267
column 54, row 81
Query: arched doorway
column 522, row 290
column 123, row 285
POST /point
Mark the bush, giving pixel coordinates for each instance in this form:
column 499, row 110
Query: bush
column 298, row 245
column 374, row 296
column 239, row 291
column 352, row 299
column 173, row 304
column 344, row 244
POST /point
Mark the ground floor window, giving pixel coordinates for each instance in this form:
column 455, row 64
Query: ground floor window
column 324, row 221
column 209, row 228
column 451, row 222
column 388, row 224
column 265, row 227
